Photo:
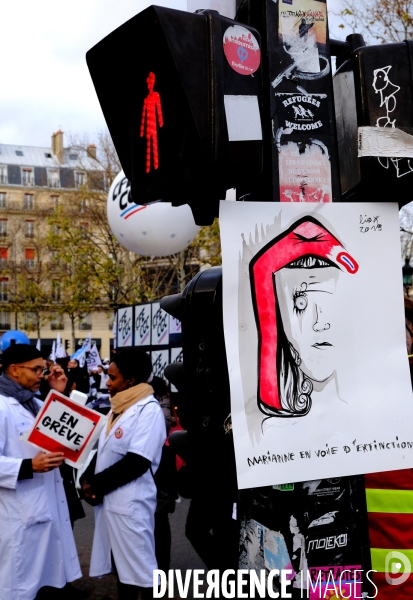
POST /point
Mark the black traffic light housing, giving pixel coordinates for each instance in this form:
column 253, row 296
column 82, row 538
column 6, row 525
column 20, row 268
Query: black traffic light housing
column 175, row 103
column 373, row 92
column 204, row 382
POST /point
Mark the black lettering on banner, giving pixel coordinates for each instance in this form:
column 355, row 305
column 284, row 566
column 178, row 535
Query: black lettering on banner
column 142, row 324
column 125, row 325
column 120, row 193
column 160, row 322
column 158, row 366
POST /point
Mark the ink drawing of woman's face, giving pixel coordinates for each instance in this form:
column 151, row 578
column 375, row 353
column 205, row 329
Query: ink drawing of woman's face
column 306, row 295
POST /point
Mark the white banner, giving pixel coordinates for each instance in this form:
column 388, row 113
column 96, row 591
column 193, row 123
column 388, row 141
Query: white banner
column 175, row 326
column 124, row 327
column 93, row 360
column 160, row 360
column 315, row 339
column 160, row 326
column 176, row 355
column 142, row 325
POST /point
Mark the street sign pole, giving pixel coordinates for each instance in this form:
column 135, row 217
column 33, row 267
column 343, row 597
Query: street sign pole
column 300, row 143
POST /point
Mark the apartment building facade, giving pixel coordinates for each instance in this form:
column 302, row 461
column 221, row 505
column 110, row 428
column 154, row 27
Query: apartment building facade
column 33, row 183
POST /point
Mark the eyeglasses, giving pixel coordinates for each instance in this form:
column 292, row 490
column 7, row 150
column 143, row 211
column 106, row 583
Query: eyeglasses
column 36, row 370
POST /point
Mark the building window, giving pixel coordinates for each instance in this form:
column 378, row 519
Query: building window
column 19, row 152
column 28, row 201
column 4, row 321
column 80, row 179
column 85, row 323
column 3, row 258
column 29, row 229
column 27, row 176
column 3, row 174
column 4, row 284
column 56, row 322
column 56, row 290
column 2, row 199
column 55, row 202
column 29, row 255
column 73, row 156
column 53, row 178
column 3, row 227
column 30, row 320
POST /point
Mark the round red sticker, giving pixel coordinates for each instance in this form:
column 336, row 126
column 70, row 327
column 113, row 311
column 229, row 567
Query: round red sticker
column 242, row 50
column 118, row 433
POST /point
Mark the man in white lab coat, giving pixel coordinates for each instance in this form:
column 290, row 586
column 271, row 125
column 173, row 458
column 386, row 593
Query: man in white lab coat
column 37, row 547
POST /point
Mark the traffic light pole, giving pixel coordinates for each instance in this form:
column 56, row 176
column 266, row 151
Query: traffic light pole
column 299, row 132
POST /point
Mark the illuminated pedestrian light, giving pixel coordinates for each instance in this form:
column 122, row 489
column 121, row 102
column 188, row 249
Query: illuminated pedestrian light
column 151, row 108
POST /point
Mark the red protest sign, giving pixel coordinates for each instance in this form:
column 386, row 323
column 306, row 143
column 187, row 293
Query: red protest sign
column 65, row 426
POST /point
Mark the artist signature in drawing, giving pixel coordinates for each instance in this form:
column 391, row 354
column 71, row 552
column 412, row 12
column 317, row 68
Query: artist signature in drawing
column 370, row 223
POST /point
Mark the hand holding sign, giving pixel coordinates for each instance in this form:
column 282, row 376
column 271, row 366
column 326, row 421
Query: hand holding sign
column 44, row 462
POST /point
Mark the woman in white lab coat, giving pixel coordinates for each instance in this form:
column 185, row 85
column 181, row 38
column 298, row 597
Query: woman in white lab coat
column 123, row 486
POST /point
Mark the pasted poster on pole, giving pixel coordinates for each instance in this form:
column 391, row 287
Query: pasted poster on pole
column 63, row 425
column 315, row 339
column 125, row 327
column 160, row 326
column 142, row 324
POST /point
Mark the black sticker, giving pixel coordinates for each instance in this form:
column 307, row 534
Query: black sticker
column 303, row 113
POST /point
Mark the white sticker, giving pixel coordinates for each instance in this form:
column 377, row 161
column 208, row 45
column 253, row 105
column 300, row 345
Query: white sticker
column 243, row 118
column 384, row 141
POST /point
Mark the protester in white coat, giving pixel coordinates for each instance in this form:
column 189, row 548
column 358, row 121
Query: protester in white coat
column 123, row 485
column 37, row 548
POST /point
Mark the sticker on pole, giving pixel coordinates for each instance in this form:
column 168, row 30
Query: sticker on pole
column 242, row 50
column 65, row 426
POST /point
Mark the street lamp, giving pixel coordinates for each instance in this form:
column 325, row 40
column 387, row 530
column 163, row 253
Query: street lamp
column 407, row 271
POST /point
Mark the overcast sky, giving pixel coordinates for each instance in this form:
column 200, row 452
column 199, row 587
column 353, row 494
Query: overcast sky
column 45, row 82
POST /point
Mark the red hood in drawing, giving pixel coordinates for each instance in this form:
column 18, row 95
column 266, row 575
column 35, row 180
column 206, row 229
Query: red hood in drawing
column 306, row 238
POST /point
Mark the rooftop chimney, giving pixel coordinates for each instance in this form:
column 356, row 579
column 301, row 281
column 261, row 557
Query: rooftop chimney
column 91, row 151
column 57, row 145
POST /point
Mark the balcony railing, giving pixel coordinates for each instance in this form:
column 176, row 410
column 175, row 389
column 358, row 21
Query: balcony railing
column 56, row 325
column 85, row 326
column 53, row 183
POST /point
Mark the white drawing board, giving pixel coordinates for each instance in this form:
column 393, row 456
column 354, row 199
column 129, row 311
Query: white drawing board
column 315, row 338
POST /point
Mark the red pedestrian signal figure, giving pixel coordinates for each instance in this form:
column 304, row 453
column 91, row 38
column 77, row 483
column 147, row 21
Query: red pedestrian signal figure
column 151, row 108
